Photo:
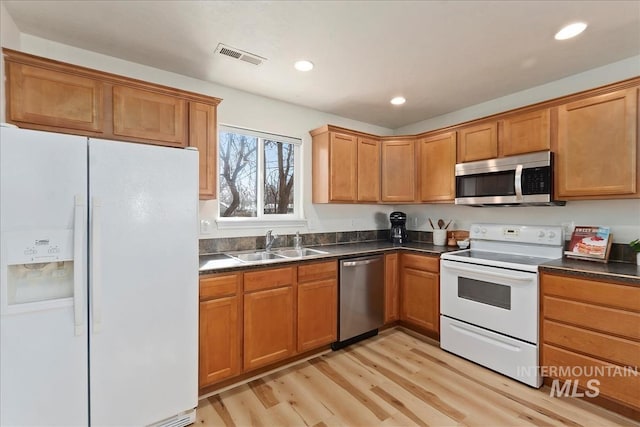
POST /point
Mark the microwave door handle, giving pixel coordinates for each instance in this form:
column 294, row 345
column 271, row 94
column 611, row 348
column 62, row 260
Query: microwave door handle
column 518, row 183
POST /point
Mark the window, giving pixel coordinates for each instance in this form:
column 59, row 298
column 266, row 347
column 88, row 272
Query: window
column 259, row 175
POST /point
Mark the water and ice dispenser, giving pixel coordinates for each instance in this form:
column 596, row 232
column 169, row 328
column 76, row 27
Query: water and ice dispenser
column 39, row 266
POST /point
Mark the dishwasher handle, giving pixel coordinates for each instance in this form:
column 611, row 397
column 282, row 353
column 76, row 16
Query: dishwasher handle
column 358, row 263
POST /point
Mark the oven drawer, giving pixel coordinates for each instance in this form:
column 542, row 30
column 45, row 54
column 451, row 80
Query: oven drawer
column 613, row 349
column 615, row 382
column 514, row 358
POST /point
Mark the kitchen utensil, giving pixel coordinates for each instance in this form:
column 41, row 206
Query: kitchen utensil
column 431, row 224
column 448, row 224
column 440, row 224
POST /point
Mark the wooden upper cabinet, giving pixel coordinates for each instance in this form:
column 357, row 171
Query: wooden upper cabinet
column 203, row 136
column 368, row 170
column 398, row 176
column 151, row 116
column 53, row 100
column 525, row 133
column 597, row 152
column 478, row 142
column 55, row 96
column 437, row 163
column 343, row 155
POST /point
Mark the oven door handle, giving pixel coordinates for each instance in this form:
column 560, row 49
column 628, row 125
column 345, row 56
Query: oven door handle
column 517, row 277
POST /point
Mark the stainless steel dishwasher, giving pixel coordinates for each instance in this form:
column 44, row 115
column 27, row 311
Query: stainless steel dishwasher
column 361, row 299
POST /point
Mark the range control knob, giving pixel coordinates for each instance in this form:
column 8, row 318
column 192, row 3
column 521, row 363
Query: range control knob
column 541, row 233
column 476, row 230
column 483, row 231
column 552, row 234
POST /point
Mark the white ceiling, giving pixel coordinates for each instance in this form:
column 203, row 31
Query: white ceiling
column 440, row 55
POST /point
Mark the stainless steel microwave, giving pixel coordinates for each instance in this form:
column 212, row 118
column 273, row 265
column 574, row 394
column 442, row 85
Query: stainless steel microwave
column 526, row 179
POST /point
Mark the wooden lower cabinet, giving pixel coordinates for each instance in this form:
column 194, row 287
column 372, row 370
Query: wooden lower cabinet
column 317, row 305
column 269, row 327
column 420, row 292
column 591, row 328
column 220, row 328
column 391, row 289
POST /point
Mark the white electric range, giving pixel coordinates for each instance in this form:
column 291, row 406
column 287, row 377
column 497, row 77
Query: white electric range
column 489, row 297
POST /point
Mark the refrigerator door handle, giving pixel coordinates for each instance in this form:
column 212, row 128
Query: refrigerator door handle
column 79, row 227
column 96, row 286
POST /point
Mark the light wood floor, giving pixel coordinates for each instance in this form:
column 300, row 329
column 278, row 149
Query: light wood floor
column 394, row 379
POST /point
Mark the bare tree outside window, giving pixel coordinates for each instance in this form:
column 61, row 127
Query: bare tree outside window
column 256, row 174
column 278, row 177
column 238, row 157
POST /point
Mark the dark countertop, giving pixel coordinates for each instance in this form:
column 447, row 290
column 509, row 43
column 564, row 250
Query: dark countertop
column 618, row 271
column 219, row 263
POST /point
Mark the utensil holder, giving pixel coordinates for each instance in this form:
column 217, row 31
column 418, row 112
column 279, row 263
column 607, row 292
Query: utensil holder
column 440, row 237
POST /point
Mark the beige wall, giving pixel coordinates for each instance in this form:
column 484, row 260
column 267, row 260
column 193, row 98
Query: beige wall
column 247, row 110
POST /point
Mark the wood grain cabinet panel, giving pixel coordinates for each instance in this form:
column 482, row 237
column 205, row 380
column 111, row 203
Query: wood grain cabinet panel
column 317, row 305
column 268, row 326
column 420, row 292
column 593, row 325
column 478, row 142
column 153, row 117
column 53, row 100
column 437, row 164
column 597, row 152
column 398, row 176
column 368, row 170
column 220, row 334
column 343, row 159
column 203, row 135
column 391, row 289
column 219, row 340
column 525, row 133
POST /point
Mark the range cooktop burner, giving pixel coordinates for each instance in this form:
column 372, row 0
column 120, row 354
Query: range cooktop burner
column 501, row 257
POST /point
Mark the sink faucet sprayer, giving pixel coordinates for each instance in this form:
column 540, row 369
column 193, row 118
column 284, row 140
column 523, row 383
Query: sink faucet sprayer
column 269, row 240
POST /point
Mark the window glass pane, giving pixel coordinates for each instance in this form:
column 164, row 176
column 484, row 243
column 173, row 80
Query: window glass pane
column 278, row 177
column 238, row 175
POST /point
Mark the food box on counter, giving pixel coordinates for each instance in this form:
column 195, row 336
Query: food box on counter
column 590, row 243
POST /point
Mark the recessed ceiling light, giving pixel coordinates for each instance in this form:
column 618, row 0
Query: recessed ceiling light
column 570, row 31
column 398, row 100
column 303, row 65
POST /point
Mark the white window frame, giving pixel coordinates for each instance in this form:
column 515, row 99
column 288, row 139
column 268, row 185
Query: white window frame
column 295, row 219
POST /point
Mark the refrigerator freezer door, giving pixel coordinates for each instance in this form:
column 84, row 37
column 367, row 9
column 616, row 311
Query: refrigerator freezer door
column 144, row 284
column 43, row 360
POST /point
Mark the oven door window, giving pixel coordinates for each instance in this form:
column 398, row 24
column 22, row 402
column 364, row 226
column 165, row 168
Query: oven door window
column 485, row 292
column 486, row 184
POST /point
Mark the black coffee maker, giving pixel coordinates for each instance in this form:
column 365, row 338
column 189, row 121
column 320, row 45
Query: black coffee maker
column 398, row 232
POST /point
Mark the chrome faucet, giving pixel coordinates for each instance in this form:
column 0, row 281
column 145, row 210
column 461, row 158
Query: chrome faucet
column 269, row 240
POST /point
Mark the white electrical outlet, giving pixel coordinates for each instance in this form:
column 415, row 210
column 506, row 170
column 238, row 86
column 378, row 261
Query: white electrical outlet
column 205, row 226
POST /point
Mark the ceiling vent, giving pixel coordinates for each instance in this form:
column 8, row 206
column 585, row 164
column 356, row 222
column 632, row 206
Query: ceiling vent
column 238, row 54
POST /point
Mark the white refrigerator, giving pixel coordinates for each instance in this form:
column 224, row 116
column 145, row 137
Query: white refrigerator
column 99, row 286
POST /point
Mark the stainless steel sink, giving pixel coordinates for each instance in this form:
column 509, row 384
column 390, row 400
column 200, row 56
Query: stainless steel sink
column 299, row 253
column 256, row 256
